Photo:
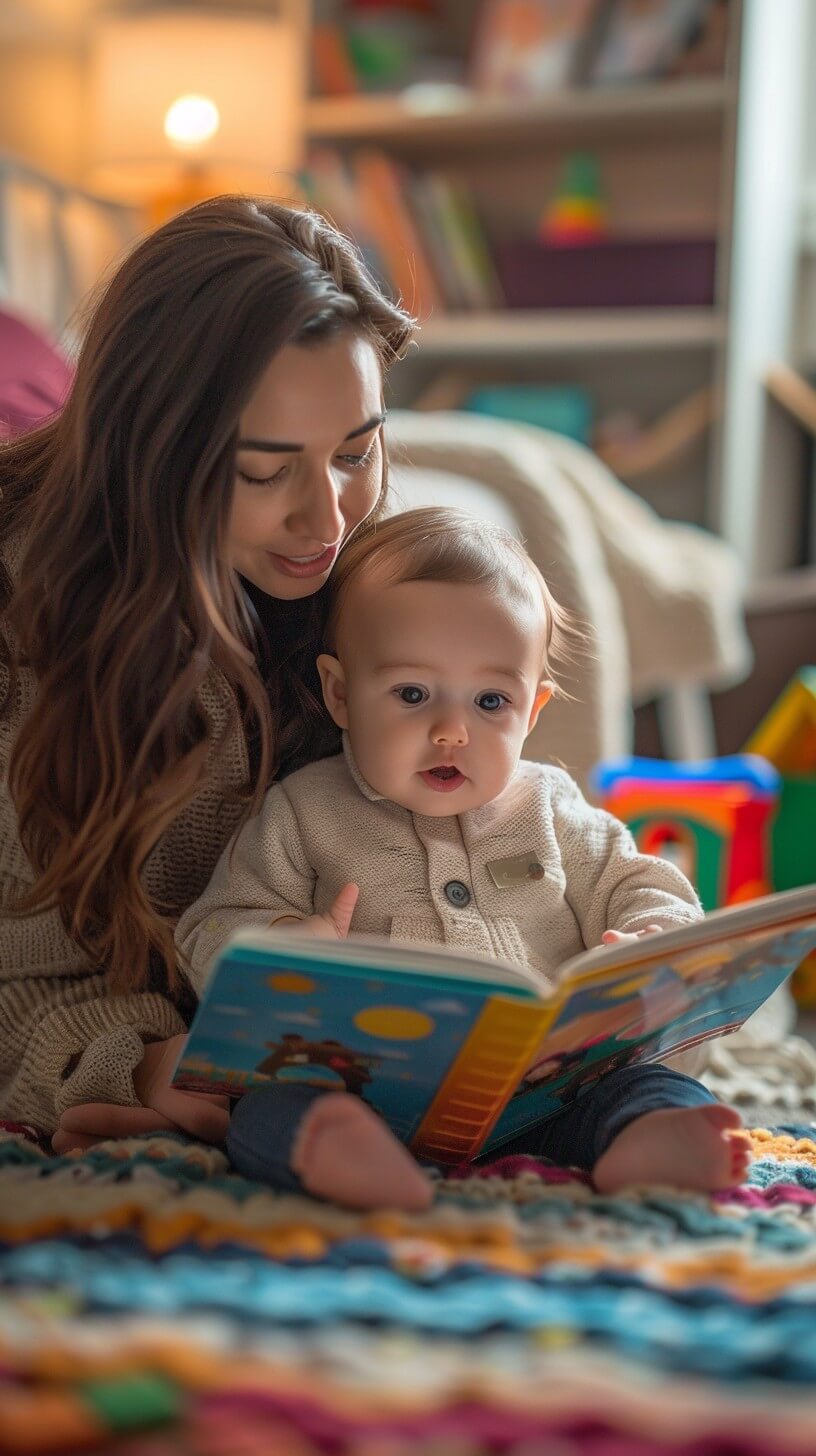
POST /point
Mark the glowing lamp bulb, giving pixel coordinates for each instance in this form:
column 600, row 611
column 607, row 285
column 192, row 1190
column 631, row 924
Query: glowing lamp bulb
column 191, row 120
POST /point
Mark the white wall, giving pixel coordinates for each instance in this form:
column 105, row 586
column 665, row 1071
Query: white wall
column 760, row 506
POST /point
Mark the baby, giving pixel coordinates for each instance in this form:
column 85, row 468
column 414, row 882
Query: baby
column 442, row 634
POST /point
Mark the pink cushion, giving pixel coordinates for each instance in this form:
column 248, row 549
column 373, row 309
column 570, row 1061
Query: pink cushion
column 34, row 377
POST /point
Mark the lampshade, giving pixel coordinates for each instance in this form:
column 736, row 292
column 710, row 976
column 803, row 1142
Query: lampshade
column 175, row 89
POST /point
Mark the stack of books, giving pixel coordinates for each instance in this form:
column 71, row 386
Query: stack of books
column 419, row 232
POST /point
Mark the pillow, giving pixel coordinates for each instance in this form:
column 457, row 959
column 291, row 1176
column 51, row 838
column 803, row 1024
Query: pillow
column 34, row 377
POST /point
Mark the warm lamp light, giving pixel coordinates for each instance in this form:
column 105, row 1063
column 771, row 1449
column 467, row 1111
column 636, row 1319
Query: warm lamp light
column 191, row 120
column 184, row 104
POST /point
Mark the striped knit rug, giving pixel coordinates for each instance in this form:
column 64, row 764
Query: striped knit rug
column 153, row 1303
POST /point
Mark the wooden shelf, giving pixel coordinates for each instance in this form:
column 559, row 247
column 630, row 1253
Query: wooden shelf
column 496, row 120
column 517, row 332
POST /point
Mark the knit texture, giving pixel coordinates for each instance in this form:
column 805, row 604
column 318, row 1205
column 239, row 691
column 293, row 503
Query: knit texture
column 64, row 1036
column 324, row 825
column 156, row 1304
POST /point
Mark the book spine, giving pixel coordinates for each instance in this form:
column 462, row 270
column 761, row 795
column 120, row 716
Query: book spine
column 476, row 1090
column 450, row 221
column 387, row 217
column 476, row 243
column 333, row 192
column 423, row 206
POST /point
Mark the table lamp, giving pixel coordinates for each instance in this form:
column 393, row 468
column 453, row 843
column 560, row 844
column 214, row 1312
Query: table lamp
column 187, row 103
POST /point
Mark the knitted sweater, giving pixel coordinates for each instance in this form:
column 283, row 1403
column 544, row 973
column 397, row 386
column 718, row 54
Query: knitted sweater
column 64, row 1036
column 439, row 880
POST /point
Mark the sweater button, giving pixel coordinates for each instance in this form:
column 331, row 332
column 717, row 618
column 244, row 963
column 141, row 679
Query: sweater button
column 457, row 894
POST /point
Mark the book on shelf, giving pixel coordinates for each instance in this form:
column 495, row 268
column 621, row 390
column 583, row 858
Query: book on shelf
column 333, row 72
column 528, row 47
column 329, row 185
column 461, row 1053
column 419, row 231
column 636, row 40
column 386, row 215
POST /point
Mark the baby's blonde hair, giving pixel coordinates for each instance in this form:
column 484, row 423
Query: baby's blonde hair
column 444, row 544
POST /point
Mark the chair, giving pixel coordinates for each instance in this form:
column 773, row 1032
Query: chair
column 662, row 601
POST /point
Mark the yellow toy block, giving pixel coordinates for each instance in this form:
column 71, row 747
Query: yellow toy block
column 786, row 737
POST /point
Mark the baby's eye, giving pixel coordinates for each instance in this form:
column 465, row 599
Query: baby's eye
column 491, row 702
column 411, row 694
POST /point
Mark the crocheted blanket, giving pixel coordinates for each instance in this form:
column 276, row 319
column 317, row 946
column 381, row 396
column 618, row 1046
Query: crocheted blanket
column 151, row 1302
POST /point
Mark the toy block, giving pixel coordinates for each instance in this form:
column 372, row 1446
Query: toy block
column 712, row 819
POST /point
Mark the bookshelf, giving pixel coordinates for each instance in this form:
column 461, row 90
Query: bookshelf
column 469, row 120
column 518, row 332
column 694, row 156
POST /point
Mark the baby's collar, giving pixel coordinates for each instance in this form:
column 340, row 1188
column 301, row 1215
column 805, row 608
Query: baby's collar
column 365, row 789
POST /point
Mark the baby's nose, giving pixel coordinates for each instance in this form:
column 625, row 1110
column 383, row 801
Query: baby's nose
column 450, row 734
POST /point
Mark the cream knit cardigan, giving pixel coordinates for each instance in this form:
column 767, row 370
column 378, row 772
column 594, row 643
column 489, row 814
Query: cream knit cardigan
column 427, row 879
column 64, row 1036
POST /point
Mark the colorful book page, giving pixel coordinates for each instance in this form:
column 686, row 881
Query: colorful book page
column 389, row 1038
column 657, row 1009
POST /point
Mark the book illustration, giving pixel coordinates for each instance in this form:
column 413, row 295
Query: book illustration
column 611, row 1022
column 389, row 1041
column 320, row 1063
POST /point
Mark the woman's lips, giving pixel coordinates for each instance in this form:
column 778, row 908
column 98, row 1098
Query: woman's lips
column 443, row 779
column 292, row 567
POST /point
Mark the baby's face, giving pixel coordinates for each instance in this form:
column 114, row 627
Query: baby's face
column 441, row 683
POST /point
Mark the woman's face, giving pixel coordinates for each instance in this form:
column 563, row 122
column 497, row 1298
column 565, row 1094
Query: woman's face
column 309, row 463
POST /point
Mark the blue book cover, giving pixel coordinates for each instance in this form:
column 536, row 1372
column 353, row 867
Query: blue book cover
column 459, row 1054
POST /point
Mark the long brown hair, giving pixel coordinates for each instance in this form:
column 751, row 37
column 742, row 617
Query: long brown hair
column 124, row 599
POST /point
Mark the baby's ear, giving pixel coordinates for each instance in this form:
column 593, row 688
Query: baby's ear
column 542, row 697
column 333, row 683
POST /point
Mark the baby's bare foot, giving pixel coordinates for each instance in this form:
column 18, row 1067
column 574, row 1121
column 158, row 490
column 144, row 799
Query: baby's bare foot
column 344, row 1152
column 705, row 1148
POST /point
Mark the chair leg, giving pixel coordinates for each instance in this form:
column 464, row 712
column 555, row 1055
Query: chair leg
column 686, row 723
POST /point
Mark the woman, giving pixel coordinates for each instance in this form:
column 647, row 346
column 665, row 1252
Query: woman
column 163, row 544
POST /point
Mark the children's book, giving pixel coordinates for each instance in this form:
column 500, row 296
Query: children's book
column 460, row 1054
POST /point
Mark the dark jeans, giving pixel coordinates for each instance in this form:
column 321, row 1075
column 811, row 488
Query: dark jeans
column 264, row 1122
column 582, row 1132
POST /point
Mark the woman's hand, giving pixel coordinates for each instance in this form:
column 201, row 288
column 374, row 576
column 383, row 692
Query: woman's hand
column 334, row 923
column 623, row 937
column 163, row 1108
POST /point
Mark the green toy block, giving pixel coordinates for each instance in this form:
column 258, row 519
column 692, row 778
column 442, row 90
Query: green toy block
column 793, row 834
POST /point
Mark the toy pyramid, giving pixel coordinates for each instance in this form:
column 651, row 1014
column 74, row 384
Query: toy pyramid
column 577, row 213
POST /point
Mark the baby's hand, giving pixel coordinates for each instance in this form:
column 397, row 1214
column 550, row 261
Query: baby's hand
column 623, row 937
column 334, row 923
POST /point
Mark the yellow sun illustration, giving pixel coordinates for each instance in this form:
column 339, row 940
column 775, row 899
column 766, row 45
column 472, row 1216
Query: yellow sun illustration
column 394, row 1023
column 290, row 981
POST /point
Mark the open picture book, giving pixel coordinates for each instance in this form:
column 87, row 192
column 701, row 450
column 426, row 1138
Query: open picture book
column 461, row 1053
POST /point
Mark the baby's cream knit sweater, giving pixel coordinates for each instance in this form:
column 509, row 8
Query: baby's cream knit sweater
column 440, row 880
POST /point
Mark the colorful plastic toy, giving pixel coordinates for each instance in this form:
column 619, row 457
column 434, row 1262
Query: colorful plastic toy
column 787, row 734
column 577, row 213
column 712, row 819
column 786, row 737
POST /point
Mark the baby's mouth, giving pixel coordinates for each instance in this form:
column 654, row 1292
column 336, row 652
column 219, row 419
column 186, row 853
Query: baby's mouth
column 443, row 778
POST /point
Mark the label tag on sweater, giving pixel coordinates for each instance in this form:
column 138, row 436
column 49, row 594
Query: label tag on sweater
column 514, row 871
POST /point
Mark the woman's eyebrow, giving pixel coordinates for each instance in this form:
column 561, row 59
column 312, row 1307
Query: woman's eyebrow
column 285, row 447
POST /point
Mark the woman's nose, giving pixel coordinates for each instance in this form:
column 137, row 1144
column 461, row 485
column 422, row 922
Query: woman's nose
column 320, row 516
